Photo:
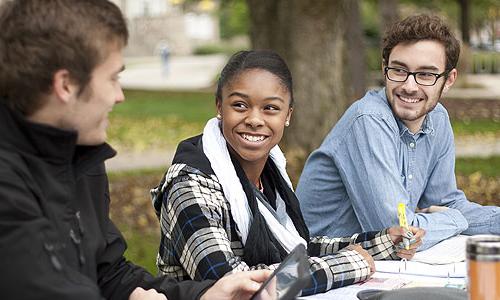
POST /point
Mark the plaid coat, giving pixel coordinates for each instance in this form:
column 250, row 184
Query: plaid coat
column 199, row 239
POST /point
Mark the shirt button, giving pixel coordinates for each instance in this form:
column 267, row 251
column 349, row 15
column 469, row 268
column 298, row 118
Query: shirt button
column 410, row 177
column 412, row 145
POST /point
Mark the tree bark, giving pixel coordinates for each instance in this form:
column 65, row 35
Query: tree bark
column 322, row 43
column 389, row 13
column 464, row 20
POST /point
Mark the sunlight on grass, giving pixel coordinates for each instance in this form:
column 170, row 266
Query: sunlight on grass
column 158, row 119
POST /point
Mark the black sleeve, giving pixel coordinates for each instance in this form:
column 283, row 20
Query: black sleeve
column 118, row 277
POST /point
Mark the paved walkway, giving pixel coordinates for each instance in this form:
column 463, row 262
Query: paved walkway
column 199, row 72
column 183, row 72
column 488, row 87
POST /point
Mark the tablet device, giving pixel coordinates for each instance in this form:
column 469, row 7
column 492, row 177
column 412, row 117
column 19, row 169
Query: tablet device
column 291, row 276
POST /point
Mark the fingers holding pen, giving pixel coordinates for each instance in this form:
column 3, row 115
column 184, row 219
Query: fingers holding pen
column 413, row 239
column 406, row 240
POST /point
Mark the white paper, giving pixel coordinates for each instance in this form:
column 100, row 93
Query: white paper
column 451, row 250
column 454, row 270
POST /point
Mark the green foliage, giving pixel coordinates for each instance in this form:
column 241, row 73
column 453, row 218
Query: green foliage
column 371, row 22
column 234, row 19
column 485, row 62
column 374, row 58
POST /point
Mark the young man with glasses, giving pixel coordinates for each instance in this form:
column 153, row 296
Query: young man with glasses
column 396, row 145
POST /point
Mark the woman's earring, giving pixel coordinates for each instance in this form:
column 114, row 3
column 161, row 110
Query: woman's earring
column 287, row 123
column 219, row 117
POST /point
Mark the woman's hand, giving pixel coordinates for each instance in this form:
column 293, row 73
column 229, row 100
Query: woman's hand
column 365, row 255
column 397, row 233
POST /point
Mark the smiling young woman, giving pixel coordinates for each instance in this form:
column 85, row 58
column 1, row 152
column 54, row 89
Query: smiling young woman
column 227, row 204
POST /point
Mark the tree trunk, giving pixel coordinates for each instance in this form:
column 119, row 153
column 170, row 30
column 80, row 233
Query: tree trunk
column 464, row 20
column 466, row 54
column 322, row 43
column 388, row 13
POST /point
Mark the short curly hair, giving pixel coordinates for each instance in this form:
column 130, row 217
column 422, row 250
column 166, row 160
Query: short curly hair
column 422, row 27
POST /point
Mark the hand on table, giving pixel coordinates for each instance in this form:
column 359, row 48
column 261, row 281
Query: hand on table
column 365, row 255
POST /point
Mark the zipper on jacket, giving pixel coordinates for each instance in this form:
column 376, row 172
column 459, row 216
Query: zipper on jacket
column 78, row 243
column 80, row 224
column 53, row 258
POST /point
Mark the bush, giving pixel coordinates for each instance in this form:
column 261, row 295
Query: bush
column 486, row 62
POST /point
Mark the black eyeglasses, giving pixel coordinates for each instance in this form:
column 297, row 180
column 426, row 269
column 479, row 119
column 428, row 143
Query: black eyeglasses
column 422, row 78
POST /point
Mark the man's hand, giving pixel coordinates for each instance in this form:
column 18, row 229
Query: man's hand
column 397, row 233
column 141, row 294
column 432, row 209
column 365, row 255
column 241, row 285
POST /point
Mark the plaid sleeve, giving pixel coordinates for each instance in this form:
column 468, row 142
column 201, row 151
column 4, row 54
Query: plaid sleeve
column 336, row 270
column 194, row 231
column 377, row 243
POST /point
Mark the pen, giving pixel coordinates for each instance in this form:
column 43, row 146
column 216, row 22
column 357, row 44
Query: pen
column 403, row 223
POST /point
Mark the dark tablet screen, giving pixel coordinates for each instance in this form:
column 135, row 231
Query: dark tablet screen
column 288, row 279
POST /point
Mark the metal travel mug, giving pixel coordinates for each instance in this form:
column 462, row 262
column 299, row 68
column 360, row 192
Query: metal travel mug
column 483, row 267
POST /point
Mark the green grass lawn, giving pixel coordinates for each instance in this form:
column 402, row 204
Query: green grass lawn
column 488, row 167
column 480, row 126
column 156, row 119
column 142, row 248
column 195, row 107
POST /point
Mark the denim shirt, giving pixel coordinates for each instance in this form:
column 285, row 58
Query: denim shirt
column 370, row 162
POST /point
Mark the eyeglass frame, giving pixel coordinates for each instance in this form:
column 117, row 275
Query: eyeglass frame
column 408, row 73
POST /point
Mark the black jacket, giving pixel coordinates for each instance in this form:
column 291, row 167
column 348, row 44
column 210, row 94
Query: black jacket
column 56, row 238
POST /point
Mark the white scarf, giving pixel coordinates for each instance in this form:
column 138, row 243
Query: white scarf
column 215, row 148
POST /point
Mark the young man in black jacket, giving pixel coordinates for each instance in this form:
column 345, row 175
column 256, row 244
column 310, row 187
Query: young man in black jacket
column 60, row 61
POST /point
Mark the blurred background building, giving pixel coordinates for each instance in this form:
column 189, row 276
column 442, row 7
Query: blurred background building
column 154, row 24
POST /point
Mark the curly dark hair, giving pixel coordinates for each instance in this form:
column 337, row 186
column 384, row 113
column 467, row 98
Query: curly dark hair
column 422, row 27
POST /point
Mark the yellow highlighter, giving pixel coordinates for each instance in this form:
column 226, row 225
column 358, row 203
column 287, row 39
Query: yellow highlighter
column 403, row 223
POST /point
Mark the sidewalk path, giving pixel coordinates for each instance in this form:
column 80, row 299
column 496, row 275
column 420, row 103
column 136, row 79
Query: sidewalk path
column 184, row 72
column 488, row 88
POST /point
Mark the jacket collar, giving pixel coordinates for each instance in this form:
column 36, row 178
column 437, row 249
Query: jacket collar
column 51, row 144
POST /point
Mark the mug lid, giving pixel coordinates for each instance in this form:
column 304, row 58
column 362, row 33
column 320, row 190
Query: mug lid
column 484, row 245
